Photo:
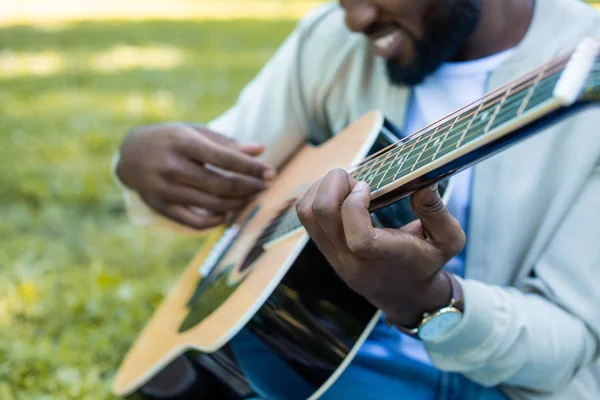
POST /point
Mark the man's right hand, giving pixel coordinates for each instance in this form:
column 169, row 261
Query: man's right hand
column 169, row 165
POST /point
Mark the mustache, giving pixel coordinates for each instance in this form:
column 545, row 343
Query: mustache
column 378, row 26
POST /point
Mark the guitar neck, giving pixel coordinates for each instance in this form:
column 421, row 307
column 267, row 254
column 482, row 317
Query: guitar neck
column 482, row 128
column 489, row 125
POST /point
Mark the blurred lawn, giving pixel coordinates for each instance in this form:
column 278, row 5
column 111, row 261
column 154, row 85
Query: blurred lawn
column 77, row 282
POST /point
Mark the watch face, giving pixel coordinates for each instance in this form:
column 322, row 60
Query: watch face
column 440, row 325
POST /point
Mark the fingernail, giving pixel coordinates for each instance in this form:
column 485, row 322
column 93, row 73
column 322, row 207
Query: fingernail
column 268, row 174
column 359, row 187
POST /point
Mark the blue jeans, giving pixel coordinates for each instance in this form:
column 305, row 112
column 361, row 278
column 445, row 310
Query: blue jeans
column 451, row 386
column 380, row 371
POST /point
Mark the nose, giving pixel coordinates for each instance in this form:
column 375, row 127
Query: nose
column 359, row 14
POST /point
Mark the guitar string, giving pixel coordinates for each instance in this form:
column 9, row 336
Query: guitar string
column 396, row 149
column 403, row 171
column 503, row 113
column 460, row 124
column 557, row 62
column 445, row 127
column 294, row 222
column 405, row 142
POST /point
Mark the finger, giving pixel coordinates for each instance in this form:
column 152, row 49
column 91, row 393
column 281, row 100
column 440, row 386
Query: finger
column 253, row 149
column 306, row 217
column 186, row 216
column 414, row 228
column 217, row 182
column 327, row 204
column 204, row 150
column 191, row 197
column 356, row 221
column 439, row 226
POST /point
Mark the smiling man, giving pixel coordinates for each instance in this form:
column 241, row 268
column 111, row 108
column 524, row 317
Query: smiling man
column 518, row 238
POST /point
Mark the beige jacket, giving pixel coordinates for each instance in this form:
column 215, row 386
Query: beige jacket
column 532, row 286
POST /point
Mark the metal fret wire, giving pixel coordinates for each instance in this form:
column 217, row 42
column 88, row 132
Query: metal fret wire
column 557, row 64
column 474, row 129
column 408, row 145
column 292, row 219
column 408, row 153
column 473, row 132
column 526, row 80
column 485, row 106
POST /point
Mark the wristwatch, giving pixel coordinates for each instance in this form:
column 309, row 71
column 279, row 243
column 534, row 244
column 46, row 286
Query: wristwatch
column 437, row 324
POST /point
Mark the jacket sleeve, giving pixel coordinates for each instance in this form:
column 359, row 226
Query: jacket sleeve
column 539, row 337
column 269, row 110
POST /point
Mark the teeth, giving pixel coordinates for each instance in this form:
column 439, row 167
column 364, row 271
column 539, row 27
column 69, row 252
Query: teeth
column 384, row 41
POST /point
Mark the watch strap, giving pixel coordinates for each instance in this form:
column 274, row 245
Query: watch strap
column 457, row 301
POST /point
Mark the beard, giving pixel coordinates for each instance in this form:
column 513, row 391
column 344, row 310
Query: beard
column 443, row 37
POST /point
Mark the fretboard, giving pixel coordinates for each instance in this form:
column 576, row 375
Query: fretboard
column 458, row 130
column 500, row 109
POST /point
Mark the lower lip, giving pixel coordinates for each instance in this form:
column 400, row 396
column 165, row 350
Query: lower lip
column 391, row 50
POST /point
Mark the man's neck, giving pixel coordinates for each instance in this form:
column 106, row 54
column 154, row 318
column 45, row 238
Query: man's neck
column 502, row 25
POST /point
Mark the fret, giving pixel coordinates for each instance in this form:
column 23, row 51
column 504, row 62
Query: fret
column 366, row 175
column 543, row 91
column 400, row 157
column 437, row 150
column 435, row 145
column 390, row 167
column 383, row 163
column 370, row 178
column 360, row 170
column 497, row 109
column 424, row 147
column 512, row 107
column 444, row 144
column 538, row 79
column 416, row 149
column 457, row 131
column 485, row 118
column 405, row 155
column 509, row 109
column 401, row 161
column 462, row 135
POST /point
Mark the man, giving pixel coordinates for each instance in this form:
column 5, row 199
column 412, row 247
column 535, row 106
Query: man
column 531, row 265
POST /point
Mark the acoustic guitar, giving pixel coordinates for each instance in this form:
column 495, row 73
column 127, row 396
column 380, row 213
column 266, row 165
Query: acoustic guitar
column 262, row 311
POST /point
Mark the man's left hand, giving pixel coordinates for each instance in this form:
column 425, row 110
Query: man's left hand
column 397, row 270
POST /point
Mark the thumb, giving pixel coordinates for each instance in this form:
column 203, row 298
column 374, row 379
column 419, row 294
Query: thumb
column 439, row 226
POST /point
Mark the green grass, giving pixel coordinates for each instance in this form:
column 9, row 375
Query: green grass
column 77, row 282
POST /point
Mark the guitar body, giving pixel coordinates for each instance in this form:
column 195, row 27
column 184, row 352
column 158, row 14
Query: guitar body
column 275, row 312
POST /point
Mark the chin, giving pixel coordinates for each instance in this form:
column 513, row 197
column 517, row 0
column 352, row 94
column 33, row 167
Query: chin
column 405, row 75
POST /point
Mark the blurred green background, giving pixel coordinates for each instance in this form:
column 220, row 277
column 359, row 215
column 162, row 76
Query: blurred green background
column 77, row 282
